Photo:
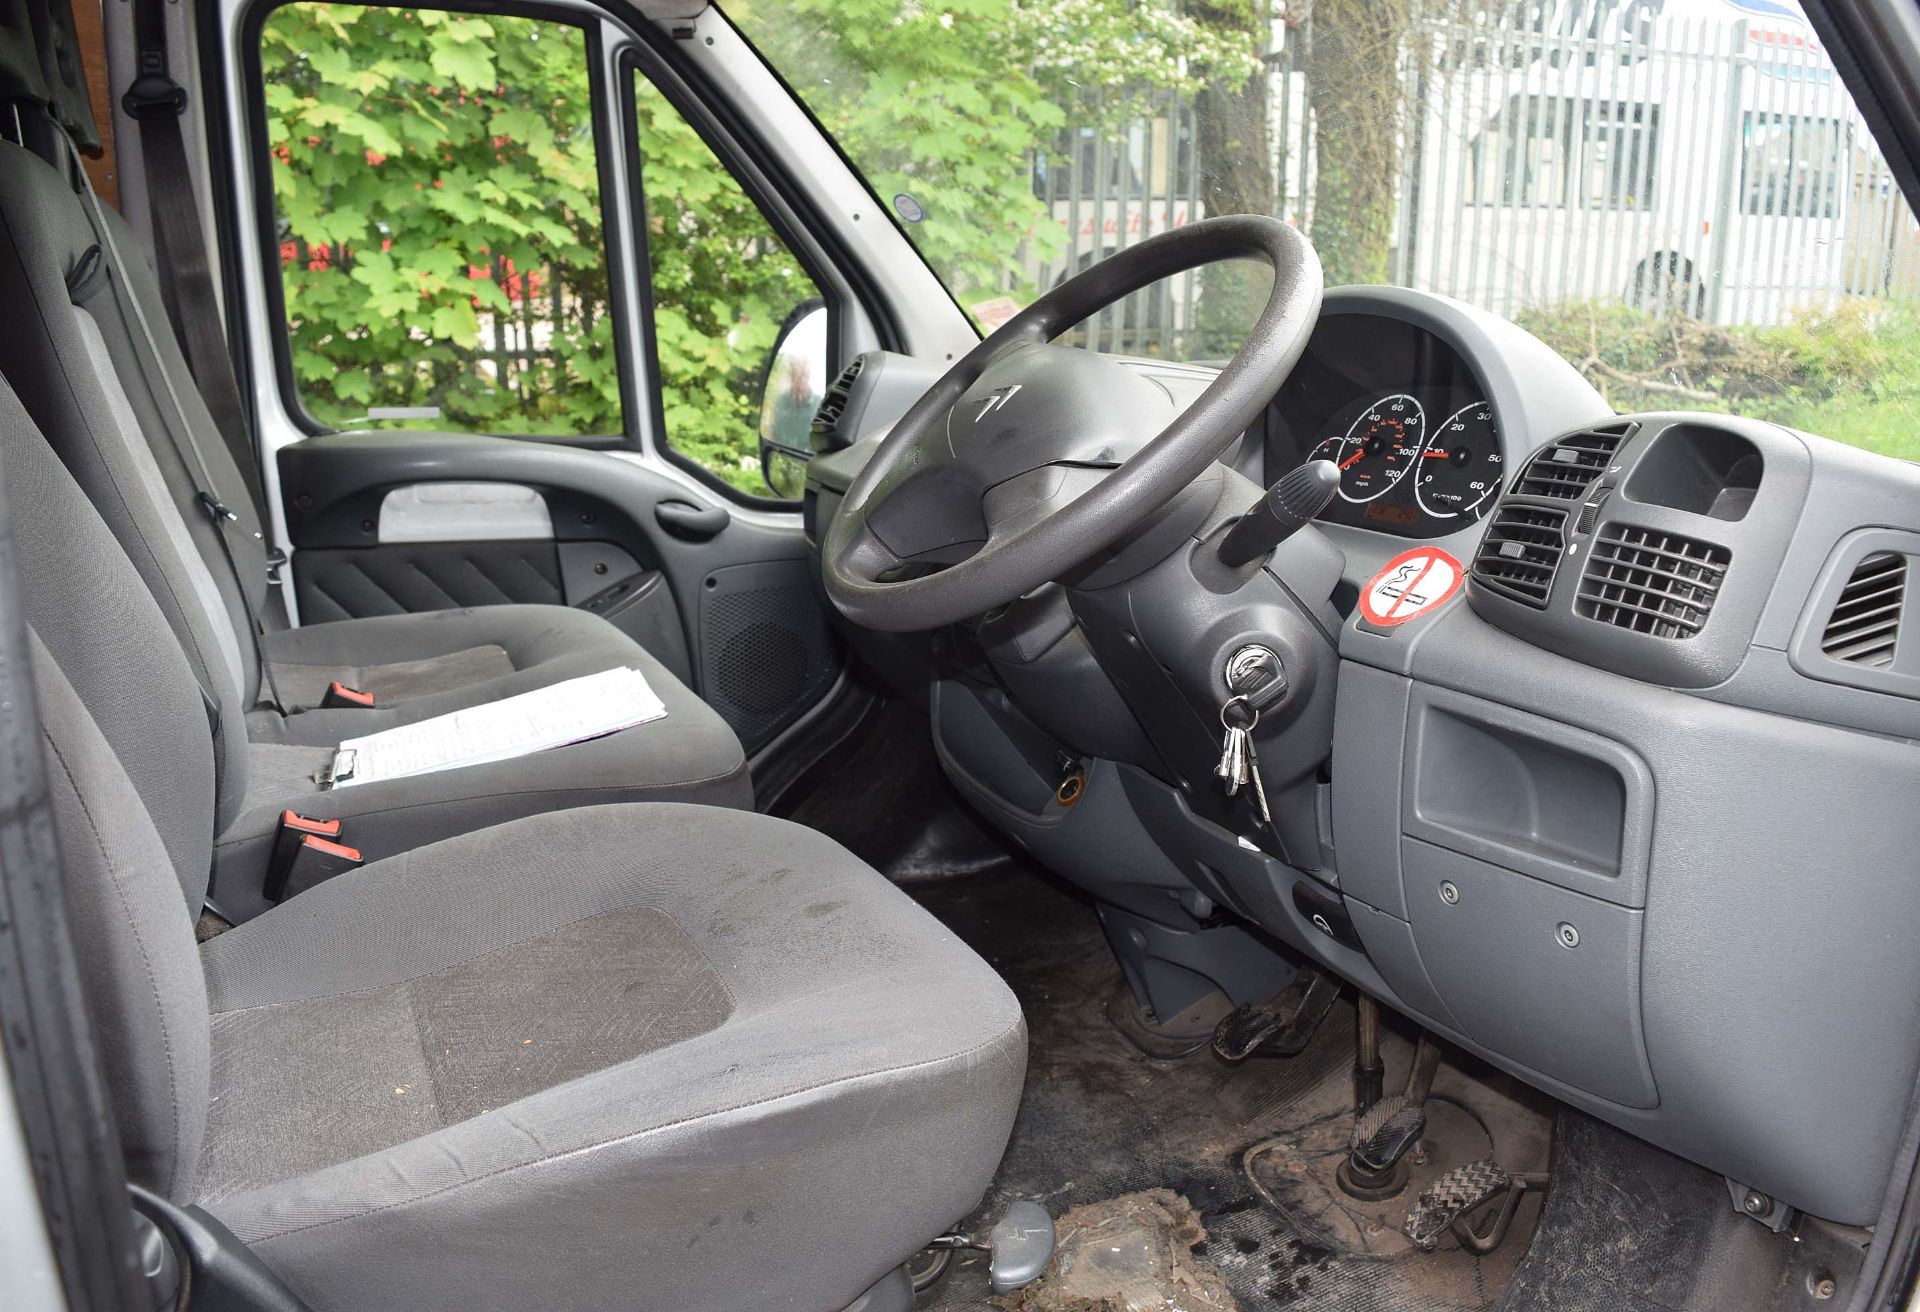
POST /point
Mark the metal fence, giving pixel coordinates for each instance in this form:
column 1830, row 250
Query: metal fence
column 1700, row 165
column 1110, row 188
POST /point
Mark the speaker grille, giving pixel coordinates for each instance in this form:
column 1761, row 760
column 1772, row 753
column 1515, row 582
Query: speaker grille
column 767, row 652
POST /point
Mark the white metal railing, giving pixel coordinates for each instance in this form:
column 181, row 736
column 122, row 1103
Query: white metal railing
column 1709, row 165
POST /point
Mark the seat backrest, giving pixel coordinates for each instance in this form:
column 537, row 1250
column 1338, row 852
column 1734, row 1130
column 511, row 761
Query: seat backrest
column 69, row 337
column 131, row 773
column 94, row 614
column 145, row 991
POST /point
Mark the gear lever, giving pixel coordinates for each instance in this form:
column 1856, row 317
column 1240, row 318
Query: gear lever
column 1288, row 506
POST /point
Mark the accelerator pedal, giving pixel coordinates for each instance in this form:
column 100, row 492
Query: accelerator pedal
column 1282, row 1027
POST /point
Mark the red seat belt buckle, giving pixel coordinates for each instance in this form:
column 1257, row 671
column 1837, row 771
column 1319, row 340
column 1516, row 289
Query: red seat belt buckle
column 339, row 695
column 293, row 832
column 316, row 861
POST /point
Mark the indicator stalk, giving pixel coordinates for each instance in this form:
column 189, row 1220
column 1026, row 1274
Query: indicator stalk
column 1289, row 505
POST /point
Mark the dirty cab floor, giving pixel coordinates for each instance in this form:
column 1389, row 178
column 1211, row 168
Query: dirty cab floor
column 1624, row 1227
column 1100, row 1121
column 1127, row 1148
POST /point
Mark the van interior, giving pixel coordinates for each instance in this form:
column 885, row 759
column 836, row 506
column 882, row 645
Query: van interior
column 676, row 656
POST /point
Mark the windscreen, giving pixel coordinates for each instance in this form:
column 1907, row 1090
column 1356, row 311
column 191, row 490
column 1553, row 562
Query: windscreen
column 1678, row 195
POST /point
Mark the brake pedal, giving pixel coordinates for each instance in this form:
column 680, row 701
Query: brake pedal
column 1384, row 1132
column 1280, row 1028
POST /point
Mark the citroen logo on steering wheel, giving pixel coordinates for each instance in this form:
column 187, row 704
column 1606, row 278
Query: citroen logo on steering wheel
column 995, row 399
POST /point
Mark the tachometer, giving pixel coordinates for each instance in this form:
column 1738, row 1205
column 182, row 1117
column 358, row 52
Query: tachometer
column 1379, row 447
column 1460, row 469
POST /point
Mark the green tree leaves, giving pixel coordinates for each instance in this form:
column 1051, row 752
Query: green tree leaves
column 436, row 184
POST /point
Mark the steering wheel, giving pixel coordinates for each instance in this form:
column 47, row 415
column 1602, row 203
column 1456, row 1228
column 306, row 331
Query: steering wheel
column 1027, row 459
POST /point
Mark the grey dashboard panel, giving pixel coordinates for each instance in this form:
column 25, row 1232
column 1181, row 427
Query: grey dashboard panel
column 1562, row 805
column 1739, row 985
column 1777, row 978
column 1577, row 1013
column 1668, row 548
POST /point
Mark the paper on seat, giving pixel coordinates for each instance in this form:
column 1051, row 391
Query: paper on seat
column 570, row 712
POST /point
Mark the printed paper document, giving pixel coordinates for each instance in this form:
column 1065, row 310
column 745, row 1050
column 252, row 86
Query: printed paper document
column 569, row 712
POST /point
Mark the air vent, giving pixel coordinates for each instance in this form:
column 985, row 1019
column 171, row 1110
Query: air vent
column 1565, row 469
column 826, row 419
column 1646, row 581
column 1520, row 552
column 1866, row 619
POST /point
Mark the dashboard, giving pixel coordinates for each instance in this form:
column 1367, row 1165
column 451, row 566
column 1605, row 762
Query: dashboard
column 1404, row 415
column 1629, row 816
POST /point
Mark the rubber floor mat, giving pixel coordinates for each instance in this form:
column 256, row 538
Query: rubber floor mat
column 1099, row 1120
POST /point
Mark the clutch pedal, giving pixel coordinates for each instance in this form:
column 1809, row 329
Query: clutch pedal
column 1280, row 1028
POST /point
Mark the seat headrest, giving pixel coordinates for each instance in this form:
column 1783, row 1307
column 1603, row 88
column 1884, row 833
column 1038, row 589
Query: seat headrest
column 62, row 71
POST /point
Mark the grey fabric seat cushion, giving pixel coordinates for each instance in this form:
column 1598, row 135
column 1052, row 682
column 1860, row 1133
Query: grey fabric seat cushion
column 639, row 1056
column 431, row 663
column 304, row 687
column 689, row 756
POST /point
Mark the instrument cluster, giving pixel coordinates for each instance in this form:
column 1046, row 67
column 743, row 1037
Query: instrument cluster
column 1403, row 416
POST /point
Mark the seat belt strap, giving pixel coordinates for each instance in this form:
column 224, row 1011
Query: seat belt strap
column 158, row 104
column 178, row 427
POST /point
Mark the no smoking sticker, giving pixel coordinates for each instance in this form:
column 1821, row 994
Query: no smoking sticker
column 1409, row 585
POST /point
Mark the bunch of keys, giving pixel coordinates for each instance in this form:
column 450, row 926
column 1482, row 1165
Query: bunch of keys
column 1239, row 766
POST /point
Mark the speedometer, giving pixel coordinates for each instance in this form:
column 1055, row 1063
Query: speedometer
column 1378, row 448
column 1460, row 469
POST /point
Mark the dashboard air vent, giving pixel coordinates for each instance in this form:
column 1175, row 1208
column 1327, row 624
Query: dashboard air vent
column 826, row 419
column 1565, row 469
column 1647, row 581
column 1520, row 552
column 1865, row 622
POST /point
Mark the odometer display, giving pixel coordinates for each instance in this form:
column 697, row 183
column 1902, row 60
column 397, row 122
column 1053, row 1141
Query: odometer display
column 1459, row 470
column 1378, row 448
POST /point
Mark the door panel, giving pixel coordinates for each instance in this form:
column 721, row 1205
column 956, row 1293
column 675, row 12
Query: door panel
column 730, row 610
column 344, row 583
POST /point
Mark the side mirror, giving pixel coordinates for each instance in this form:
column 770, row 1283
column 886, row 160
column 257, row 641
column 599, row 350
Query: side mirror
column 794, row 386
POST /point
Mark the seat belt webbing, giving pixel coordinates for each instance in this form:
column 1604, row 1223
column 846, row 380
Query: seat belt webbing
column 158, row 103
column 178, row 427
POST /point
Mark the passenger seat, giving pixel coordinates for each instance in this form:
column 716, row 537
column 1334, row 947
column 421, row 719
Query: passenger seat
column 93, row 358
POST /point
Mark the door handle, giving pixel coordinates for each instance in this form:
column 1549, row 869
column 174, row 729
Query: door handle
column 683, row 519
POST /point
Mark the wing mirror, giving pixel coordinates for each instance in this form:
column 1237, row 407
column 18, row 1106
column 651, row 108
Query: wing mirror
column 794, row 385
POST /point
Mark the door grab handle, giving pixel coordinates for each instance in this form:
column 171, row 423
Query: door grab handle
column 683, row 519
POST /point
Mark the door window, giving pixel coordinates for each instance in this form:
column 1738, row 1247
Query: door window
column 728, row 293
column 437, row 208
